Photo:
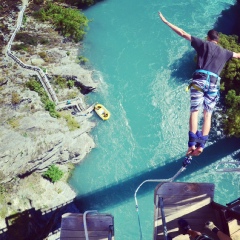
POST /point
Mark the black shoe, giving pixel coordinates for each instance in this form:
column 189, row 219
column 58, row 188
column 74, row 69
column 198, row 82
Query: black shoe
column 183, row 226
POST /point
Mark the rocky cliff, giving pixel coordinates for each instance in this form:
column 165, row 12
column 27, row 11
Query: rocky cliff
column 30, row 139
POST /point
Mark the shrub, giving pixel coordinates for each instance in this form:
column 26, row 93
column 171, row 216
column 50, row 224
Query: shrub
column 18, row 47
column 70, row 83
column 53, row 174
column 72, row 94
column 24, row 19
column 50, row 106
column 70, row 22
column 71, row 121
column 26, row 38
column 44, row 41
column 13, row 122
column 60, row 81
column 15, row 98
column 42, row 54
column 82, row 59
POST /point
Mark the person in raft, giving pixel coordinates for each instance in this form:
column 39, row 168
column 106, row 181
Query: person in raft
column 211, row 59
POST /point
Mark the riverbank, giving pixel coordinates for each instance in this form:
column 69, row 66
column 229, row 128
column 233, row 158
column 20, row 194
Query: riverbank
column 32, row 140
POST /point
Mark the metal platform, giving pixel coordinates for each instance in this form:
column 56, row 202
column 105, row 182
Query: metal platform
column 190, row 201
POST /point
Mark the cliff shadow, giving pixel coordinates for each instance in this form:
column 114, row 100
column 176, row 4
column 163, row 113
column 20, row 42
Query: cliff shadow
column 35, row 224
column 229, row 21
column 123, row 191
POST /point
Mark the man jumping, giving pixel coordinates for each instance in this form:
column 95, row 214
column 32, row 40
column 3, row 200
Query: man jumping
column 211, row 59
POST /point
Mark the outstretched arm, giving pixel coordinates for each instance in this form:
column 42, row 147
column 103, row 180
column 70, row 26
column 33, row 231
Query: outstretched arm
column 176, row 29
column 236, row 55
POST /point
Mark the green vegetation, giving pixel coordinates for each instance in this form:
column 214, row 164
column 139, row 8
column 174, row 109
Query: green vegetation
column 50, row 106
column 34, row 85
column 70, row 22
column 24, row 19
column 53, row 174
column 13, row 122
column 43, row 41
column 15, row 98
column 63, row 83
column 43, row 55
column 2, row 189
column 27, row 39
column 60, row 81
column 230, row 86
column 82, row 59
column 18, row 47
column 72, row 94
column 70, row 83
column 71, row 121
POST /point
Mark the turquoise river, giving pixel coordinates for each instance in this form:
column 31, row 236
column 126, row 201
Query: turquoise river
column 143, row 69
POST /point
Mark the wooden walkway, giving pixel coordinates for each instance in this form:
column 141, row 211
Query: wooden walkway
column 190, row 201
column 100, row 226
column 41, row 75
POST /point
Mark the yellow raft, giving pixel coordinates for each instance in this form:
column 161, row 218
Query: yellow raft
column 102, row 112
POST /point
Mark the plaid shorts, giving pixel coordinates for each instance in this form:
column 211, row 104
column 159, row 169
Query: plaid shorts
column 209, row 96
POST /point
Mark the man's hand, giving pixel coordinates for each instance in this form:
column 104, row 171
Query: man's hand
column 176, row 29
column 162, row 17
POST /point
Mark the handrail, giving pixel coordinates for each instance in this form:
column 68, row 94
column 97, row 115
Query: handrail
column 85, row 222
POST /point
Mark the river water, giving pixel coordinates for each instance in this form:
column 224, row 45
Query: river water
column 143, row 69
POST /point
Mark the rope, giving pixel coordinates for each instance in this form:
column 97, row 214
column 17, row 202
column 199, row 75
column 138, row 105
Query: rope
column 187, row 160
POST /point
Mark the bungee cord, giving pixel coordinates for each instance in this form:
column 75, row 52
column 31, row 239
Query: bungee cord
column 186, row 161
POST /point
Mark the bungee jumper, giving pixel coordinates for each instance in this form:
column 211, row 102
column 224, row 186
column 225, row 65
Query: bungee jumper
column 204, row 88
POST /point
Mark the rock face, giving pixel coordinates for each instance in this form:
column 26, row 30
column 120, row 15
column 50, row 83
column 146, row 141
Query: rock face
column 31, row 140
column 37, row 141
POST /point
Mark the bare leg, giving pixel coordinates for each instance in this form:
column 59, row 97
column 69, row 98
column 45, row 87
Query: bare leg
column 193, row 121
column 223, row 236
column 193, row 234
column 207, row 116
column 193, row 125
column 206, row 123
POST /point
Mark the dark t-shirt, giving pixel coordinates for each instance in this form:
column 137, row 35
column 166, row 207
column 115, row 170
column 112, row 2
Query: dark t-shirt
column 210, row 56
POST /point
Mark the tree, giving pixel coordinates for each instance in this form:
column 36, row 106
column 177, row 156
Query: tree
column 230, row 87
column 70, row 22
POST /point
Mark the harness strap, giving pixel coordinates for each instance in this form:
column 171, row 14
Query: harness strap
column 197, row 140
column 195, row 86
column 208, row 73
